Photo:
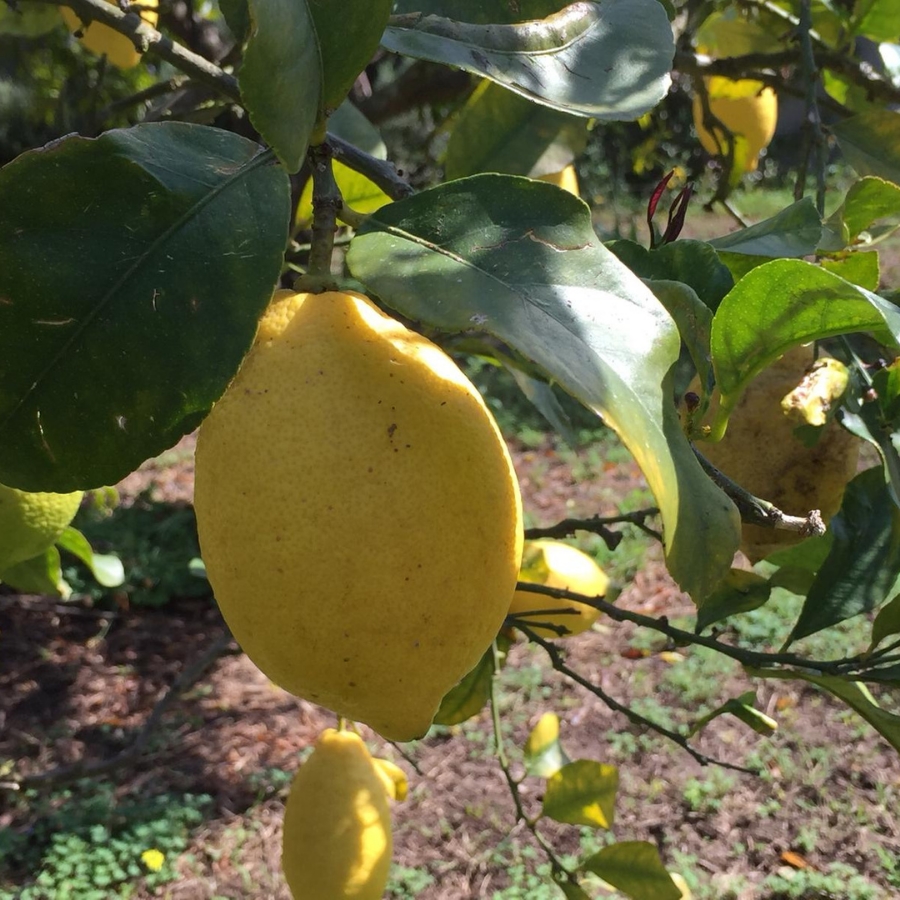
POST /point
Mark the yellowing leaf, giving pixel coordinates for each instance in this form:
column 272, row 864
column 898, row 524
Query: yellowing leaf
column 544, row 755
column 393, row 777
column 582, row 793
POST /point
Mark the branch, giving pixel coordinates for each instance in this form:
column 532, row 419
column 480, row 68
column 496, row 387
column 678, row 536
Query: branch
column 82, row 769
column 598, row 525
column 379, row 171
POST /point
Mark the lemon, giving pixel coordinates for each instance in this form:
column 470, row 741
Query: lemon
column 337, row 830
column 748, row 109
column 558, row 565
column 567, row 179
column 762, row 454
column 358, row 512
column 105, row 41
column 31, row 522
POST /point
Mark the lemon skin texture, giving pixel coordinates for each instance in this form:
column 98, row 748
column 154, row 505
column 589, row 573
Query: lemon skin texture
column 358, row 512
column 103, row 40
column 337, row 830
column 567, row 179
column 746, row 108
column 32, row 522
column 560, row 566
column 761, row 453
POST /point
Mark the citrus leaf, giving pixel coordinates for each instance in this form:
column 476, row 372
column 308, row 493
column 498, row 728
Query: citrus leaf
column 879, row 21
column 544, row 755
column 739, row 591
column 871, row 143
column 853, row 693
column 864, row 562
column 29, row 20
column 483, row 12
column 106, row 568
column 791, row 233
column 519, row 259
column 886, row 623
column 608, row 60
column 783, row 303
column 42, row 574
column 393, row 777
column 281, row 76
column 469, row 697
column 133, row 270
column 582, row 793
column 573, row 891
column 743, row 708
column 862, row 269
column 868, row 200
column 499, row 131
column 634, row 868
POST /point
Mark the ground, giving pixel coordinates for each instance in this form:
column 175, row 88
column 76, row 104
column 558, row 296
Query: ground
column 78, row 682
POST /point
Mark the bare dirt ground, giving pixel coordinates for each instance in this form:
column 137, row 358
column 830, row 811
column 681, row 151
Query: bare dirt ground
column 77, row 684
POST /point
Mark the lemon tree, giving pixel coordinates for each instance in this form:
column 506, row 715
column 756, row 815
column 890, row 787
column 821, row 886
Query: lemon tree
column 236, row 240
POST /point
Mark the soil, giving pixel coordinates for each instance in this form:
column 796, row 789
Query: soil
column 77, row 684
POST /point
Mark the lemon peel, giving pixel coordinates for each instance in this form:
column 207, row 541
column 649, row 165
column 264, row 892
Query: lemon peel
column 358, row 512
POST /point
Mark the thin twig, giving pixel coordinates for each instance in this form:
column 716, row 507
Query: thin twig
column 82, row 769
column 598, row 525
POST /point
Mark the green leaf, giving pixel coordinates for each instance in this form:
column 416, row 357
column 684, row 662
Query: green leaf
column 519, row 259
column 348, row 34
column 469, row 697
column 349, row 123
column 28, row 20
column 499, row 131
column 237, row 18
column 740, row 591
column 483, row 12
column 134, row 268
column 544, row 755
column 853, row 693
column 871, row 143
column 281, row 77
column 545, row 401
column 608, row 60
column 859, row 268
column 743, row 708
column 572, row 891
column 783, row 303
column 880, row 21
column 793, row 232
column 634, row 868
column 886, row 623
column 582, row 793
column 695, row 263
column 106, row 568
column 868, row 200
column 859, row 572
column 42, row 574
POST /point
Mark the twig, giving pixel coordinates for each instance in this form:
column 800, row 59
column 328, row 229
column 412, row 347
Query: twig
column 379, row 171
column 815, row 132
column 559, row 664
column 82, row 769
column 598, row 525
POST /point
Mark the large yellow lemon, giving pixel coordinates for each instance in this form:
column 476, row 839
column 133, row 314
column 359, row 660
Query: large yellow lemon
column 558, row 565
column 103, row 40
column 337, row 828
column 762, row 454
column 358, row 512
column 748, row 109
column 31, row 522
column 567, row 179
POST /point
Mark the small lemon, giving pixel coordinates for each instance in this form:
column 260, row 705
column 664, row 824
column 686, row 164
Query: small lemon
column 748, row 109
column 358, row 512
column 337, row 829
column 32, row 522
column 567, row 179
column 558, row 565
column 103, row 40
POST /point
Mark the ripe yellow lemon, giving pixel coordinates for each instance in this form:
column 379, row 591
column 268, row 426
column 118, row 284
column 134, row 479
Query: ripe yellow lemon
column 762, row 454
column 558, row 565
column 103, row 40
column 748, row 109
column 337, row 828
column 567, row 179
column 31, row 522
column 358, row 512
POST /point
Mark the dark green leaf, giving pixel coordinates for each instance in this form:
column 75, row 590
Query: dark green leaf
column 608, row 60
column 793, row 232
column 519, row 259
column 634, row 867
column 349, row 123
column 133, row 270
column 783, row 303
column 740, row 591
column 864, row 561
column 853, row 693
column 886, row 623
column 483, row 12
column 348, row 33
column 582, row 793
column 499, row 131
column 469, row 697
column 237, row 18
column 281, row 76
column 572, row 891
column 871, row 143
column 546, row 403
